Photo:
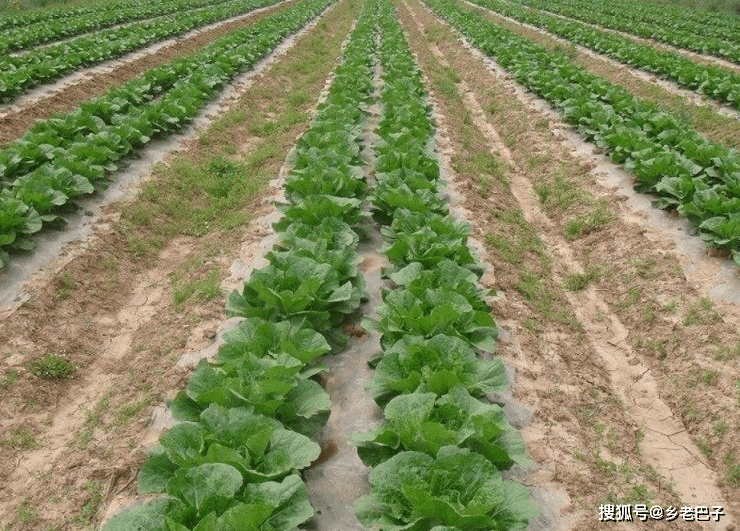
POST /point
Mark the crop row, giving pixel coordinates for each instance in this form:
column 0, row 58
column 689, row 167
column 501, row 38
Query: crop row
column 42, row 65
column 10, row 19
column 696, row 21
column 668, row 158
column 71, row 155
column 438, row 455
column 248, row 420
column 680, row 38
column 52, row 30
column 719, row 83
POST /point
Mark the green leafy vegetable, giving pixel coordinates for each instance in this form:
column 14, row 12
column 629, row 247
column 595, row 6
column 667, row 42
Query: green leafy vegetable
column 458, row 490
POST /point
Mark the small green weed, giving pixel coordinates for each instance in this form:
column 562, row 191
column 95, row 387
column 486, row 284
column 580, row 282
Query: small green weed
column 733, row 476
column 579, row 281
column 671, row 306
column 701, row 313
column 65, row 284
column 558, row 194
column 587, row 223
column 52, row 366
column 8, row 379
column 709, row 377
column 705, row 447
column 27, row 513
column 20, row 438
column 202, row 289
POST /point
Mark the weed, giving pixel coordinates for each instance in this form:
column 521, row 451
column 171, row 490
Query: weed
column 645, row 268
column 82, row 439
column 52, row 366
column 129, row 410
column 64, row 286
column 568, row 49
column 515, row 244
column 202, row 289
column 727, row 352
column 720, row 428
column 299, row 98
column 538, row 159
column 634, row 295
column 733, row 476
column 20, row 438
column 690, row 412
column 608, row 468
column 587, row 223
column 226, row 175
column 648, row 314
column 91, row 507
column 638, row 494
column 705, row 447
column 701, row 313
column 640, row 434
column 579, row 281
column 671, row 306
column 532, row 325
column 225, row 122
column 559, row 194
column 26, row 512
column 658, row 347
column 8, row 379
column 709, row 377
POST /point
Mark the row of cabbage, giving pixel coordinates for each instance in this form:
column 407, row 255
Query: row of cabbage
column 43, row 65
column 675, row 16
column 721, row 84
column 73, row 155
column 249, row 419
column 438, row 455
column 727, row 47
column 24, row 17
column 699, row 178
column 47, row 31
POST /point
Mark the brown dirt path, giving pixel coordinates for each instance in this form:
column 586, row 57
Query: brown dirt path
column 650, row 449
column 136, row 297
column 17, row 122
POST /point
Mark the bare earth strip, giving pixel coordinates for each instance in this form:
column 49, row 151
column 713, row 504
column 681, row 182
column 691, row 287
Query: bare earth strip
column 136, row 297
column 19, row 119
column 611, row 275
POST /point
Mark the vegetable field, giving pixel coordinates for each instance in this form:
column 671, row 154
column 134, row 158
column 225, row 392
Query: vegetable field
column 439, row 265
